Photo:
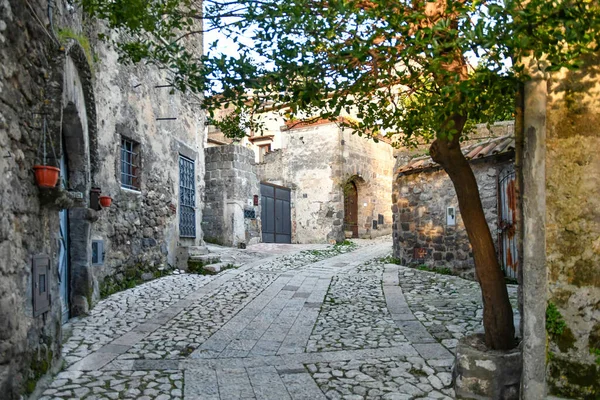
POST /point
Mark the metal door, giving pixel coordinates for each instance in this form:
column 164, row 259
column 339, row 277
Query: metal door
column 63, row 247
column 187, row 198
column 275, row 214
column 351, row 208
column 507, row 210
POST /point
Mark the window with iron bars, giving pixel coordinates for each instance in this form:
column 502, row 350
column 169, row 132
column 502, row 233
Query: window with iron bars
column 130, row 164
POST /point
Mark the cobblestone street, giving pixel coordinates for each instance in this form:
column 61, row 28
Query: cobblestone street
column 292, row 322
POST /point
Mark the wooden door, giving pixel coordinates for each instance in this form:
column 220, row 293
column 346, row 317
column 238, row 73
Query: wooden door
column 351, row 209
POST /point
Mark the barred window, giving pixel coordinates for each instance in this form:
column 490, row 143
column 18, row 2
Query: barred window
column 130, row 164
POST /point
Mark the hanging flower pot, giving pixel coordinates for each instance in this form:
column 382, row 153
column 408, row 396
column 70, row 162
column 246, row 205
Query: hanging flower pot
column 105, row 201
column 46, row 176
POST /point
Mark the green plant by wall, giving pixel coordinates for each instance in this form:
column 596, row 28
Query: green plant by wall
column 555, row 324
column 391, row 260
column 596, row 352
column 442, row 271
column 129, row 278
column 66, row 34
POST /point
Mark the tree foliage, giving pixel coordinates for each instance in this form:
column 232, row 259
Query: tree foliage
column 388, row 62
column 424, row 69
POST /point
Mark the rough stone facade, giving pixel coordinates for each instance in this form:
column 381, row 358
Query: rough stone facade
column 419, row 204
column 573, row 230
column 89, row 101
column 316, row 163
column 230, row 217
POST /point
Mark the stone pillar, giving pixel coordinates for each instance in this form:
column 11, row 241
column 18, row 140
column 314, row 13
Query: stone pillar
column 534, row 284
column 231, row 184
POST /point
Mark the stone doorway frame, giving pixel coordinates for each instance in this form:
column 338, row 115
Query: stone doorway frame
column 73, row 120
column 361, row 185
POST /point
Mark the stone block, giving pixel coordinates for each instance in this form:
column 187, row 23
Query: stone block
column 482, row 373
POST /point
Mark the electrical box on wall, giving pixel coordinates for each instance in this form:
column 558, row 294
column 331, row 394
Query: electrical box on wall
column 41, row 284
column 451, row 216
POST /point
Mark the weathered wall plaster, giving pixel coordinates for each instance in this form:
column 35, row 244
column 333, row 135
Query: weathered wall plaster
column 573, row 229
column 317, row 162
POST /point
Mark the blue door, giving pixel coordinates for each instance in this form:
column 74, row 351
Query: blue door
column 63, row 251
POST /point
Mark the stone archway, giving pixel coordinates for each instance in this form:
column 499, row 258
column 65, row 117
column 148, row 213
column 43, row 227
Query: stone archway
column 79, row 144
column 352, row 209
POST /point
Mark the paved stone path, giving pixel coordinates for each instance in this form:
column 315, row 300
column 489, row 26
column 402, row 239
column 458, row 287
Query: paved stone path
column 293, row 322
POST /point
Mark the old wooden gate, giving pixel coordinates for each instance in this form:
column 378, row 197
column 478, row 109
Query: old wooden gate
column 507, row 210
column 351, row 208
column 275, row 214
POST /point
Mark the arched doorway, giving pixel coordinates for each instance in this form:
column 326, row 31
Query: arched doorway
column 78, row 156
column 351, row 208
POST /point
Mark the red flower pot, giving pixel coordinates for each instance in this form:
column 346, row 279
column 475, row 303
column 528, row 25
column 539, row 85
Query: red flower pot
column 46, row 176
column 105, row 201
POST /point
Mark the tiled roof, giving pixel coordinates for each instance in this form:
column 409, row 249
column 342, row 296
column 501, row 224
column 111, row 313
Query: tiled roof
column 487, row 148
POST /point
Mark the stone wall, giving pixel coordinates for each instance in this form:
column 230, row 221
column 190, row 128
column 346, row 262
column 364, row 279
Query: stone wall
column 419, row 204
column 370, row 166
column 231, row 184
column 306, row 166
column 89, row 100
column 141, row 228
column 573, row 230
column 317, row 162
column 29, row 345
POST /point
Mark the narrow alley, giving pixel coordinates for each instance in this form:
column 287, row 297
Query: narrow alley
column 292, row 322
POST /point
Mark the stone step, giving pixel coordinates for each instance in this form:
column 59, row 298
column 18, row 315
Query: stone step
column 205, row 258
column 216, row 268
column 197, row 250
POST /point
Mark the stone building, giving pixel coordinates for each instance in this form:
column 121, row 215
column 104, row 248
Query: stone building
column 428, row 228
column 111, row 129
column 319, row 182
column 339, row 183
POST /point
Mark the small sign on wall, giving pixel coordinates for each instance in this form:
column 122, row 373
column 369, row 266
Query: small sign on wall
column 420, row 253
column 451, row 216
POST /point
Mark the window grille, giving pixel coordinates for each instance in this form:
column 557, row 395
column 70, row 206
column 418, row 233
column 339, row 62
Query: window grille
column 187, row 198
column 130, row 166
column 98, row 252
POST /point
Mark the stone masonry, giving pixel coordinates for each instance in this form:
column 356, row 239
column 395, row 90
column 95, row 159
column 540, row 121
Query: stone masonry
column 317, row 162
column 59, row 75
column 419, row 205
column 230, row 217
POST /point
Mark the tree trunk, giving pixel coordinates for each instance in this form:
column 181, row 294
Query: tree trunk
column 497, row 311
